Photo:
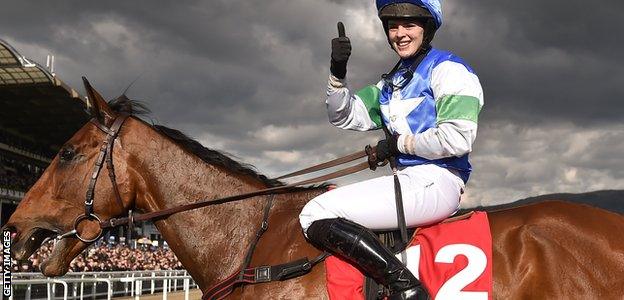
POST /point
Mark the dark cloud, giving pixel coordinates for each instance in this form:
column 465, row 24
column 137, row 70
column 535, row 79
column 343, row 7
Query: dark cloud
column 249, row 77
column 544, row 61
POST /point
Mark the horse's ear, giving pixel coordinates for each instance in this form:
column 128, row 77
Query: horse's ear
column 98, row 107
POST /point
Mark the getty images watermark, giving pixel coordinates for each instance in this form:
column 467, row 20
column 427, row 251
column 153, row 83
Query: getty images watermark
column 6, row 263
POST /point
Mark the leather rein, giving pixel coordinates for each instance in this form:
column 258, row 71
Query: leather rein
column 106, row 156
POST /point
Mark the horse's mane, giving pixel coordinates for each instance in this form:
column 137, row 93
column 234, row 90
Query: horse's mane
column 123, row 104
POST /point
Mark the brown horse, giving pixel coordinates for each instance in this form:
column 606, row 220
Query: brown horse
column 552, row 250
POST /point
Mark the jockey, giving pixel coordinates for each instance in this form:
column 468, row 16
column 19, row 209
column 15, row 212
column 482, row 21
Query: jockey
column 430, row 102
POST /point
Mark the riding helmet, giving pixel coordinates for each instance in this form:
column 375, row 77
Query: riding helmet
column 428, row 10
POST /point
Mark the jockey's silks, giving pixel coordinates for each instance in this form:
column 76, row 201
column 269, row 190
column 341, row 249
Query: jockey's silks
column 435, row 113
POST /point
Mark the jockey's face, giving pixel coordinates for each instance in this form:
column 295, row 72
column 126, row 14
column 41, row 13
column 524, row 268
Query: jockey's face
column 406, row 36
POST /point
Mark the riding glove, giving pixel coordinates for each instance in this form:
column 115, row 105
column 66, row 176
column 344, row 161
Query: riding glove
column 387, row 148
column 341, row 50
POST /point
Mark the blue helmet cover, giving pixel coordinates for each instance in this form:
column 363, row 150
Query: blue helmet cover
column 434, row 7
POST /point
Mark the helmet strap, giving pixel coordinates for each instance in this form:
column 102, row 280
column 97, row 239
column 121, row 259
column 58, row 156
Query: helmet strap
column 419, row 57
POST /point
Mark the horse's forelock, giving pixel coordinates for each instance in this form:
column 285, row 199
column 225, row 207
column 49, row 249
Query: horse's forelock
column 123, row 104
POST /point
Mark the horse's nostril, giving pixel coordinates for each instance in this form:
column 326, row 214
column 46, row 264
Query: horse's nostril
column 10, row 229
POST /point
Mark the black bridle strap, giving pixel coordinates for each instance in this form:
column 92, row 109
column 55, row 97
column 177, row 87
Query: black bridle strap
column 93, row 180
column 109, row 158
column 105, row 151
column 261, row 274
column 263, row 228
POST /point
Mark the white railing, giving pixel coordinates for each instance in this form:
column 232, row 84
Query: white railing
column 89, row 285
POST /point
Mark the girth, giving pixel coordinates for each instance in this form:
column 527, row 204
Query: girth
column 261, row 274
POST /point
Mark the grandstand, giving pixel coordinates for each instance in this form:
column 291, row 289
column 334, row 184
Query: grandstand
column 38, row 113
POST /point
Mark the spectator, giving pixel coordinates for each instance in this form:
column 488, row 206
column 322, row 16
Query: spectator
column 102, row 258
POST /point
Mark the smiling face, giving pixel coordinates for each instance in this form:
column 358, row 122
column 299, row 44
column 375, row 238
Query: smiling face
column 406, row 36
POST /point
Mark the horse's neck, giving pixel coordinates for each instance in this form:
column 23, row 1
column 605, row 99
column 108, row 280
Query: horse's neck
column 210, row 242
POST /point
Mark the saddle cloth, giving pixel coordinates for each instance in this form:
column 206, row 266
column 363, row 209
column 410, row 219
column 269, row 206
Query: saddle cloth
column 453, row 259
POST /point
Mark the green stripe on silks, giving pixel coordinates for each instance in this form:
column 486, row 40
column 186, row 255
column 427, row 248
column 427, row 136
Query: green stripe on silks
column 458, row 107
column 370, row 97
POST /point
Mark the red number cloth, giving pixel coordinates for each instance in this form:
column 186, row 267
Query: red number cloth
column 466, row 242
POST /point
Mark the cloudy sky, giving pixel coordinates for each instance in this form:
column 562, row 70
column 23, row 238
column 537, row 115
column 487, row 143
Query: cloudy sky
column 248, row 77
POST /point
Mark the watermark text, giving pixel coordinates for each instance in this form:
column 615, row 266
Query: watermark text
column 6, row 263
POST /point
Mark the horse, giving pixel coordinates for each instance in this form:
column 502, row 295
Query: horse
column 549, row 250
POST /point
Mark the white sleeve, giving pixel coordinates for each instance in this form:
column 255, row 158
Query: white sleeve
column 453, row 138
column 345, row 110
column 459, row 98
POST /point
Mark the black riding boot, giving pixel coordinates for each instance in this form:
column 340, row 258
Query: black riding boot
column 360, row 246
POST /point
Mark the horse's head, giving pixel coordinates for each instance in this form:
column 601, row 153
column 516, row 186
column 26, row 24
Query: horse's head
column 52, row 206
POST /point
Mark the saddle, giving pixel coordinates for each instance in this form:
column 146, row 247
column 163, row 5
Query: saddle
column 453, row 260
column 392, row 240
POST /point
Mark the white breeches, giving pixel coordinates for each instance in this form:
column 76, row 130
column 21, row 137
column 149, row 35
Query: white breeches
column 430, row 194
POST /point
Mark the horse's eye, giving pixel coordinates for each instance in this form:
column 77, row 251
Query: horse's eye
column 67, row 154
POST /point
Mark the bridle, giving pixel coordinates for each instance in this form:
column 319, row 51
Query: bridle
column 247, row 274
column 106, row 155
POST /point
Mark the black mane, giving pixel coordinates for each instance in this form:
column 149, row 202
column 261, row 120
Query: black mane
column 123, row 104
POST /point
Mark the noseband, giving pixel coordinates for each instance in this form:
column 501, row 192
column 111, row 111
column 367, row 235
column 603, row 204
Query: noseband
column 106, row 154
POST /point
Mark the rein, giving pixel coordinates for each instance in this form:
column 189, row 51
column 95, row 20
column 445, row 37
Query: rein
column 106, row 155
column 247, row 274
column 114, row 222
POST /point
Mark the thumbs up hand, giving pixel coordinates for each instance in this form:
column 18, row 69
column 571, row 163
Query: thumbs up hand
column 341, row 50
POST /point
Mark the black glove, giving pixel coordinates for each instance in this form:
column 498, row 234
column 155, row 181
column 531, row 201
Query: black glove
column 341, row 50
column 387, row 148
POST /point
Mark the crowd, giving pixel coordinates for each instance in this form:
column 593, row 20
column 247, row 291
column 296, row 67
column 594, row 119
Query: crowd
column 17, row 175
column 104, row 257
